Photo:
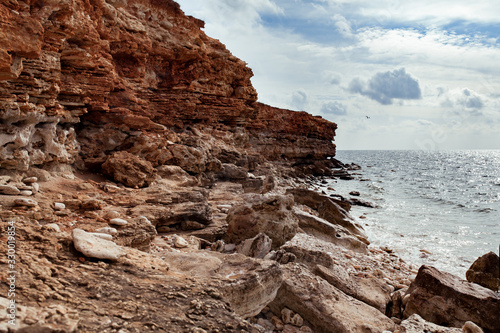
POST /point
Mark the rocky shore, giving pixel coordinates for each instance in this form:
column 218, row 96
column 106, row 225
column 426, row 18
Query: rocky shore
column 144, row 189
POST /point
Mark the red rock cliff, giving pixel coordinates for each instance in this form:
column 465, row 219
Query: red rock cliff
column 83, row 78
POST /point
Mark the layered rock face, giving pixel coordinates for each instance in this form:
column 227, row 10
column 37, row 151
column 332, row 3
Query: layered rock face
column 100, row 76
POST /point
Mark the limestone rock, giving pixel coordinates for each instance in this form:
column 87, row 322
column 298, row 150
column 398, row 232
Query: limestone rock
column 485, row 271
column 107, row 230
column 180, row 242
column 59, row 206
column 257, row 247
column 271, row 215
column 334, row 211
column 118, row 221
column 470, row 327
column 247, row 284
column 30, row 180
column 137, row 233
column 52, row 318
column 9, row 190
column 415, row 324
column 232, row 172
column 26, row 202
column 372, row 291
column 444, row 299
column 326, row 308
column 94, row 247
column 327, row 231
column 129, row 169
column 101, row 235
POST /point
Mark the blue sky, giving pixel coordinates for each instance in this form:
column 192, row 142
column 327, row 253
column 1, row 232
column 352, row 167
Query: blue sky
column 426, row 73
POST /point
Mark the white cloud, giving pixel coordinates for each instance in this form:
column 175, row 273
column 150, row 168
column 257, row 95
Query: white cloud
column 305, row 54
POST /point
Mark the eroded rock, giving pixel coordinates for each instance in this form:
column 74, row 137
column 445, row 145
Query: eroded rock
column 444, row 299
column 485, row 271
column 94, row 247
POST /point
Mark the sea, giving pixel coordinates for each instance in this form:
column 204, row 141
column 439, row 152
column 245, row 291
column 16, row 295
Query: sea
column 439, row 208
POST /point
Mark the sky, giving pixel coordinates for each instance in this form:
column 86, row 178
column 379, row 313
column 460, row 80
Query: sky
column 392, row 74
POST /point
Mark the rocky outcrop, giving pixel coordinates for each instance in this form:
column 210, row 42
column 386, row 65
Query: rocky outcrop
column 271, row 216
column 443, row 299
column 326, row 308
column 80, row 81
column 485, row 271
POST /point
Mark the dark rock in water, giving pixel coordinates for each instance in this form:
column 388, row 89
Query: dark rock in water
column 354, row 193
column 342, row 174
column 485, row 271
column 444, row 299
column 359, row 202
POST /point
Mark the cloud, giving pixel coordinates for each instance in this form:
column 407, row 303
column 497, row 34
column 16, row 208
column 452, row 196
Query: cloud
column 299, row 100
column 334, row 108
column 383, row 87
column 463, row 99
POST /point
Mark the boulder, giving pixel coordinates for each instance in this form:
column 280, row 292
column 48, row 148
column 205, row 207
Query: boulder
column 9, row 190
column 257, row 247
column 95, row 247
column 232, row 172
column 271, row 215
column 415, row 324
column 372, row 291
column 444, row 299
column 332, row 210
column 137, row 233
column 485, row 271
column 323, row 306
column 247, row 284
column 129, row 169
column 329, row 232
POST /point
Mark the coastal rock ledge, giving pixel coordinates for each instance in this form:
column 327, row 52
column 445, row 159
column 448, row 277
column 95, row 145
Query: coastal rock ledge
column 146, row 190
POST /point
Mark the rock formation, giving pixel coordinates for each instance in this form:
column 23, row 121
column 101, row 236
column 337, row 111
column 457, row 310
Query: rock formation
column 146, row 190
column 85, row 79
column 485, row 271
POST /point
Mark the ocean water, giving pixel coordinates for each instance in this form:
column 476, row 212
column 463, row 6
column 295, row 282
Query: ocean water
column 440, row 208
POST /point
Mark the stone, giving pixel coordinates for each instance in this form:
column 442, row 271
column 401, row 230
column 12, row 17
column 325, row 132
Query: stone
column 118, row 221
column 35, row 187
column 257, row 247
column 180, row 242
column 373, row 292
column 336, row 234
column 444, row 299
column 138, row 233
column 102, row 235
column 107, row 230
column 59, row 206
column 271, row 215
column 415, row 324
column 129, row 169
column 25, row 202
column 232, row 172
column 485, row 271
column 30, row 180
column 92, row 204
column 332, row 210
column 26, row 193
column 9, row 190
column 470, row 327
column 286, row 315
column 95, row 247
column 323, row 306
column 53, row 226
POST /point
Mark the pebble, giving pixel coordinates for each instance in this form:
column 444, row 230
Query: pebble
column 118, row 221
column 26, row 193
column 9, row 190
column 29, row 180
column 26, row 202
column 102, row 235
column 59, row 206
column 53, row 227
column 35, row 187
column 107, row 230
column 95, row 247
column 180, row 242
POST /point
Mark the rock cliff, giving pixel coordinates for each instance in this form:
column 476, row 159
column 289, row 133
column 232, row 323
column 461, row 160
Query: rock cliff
column 83, row 79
